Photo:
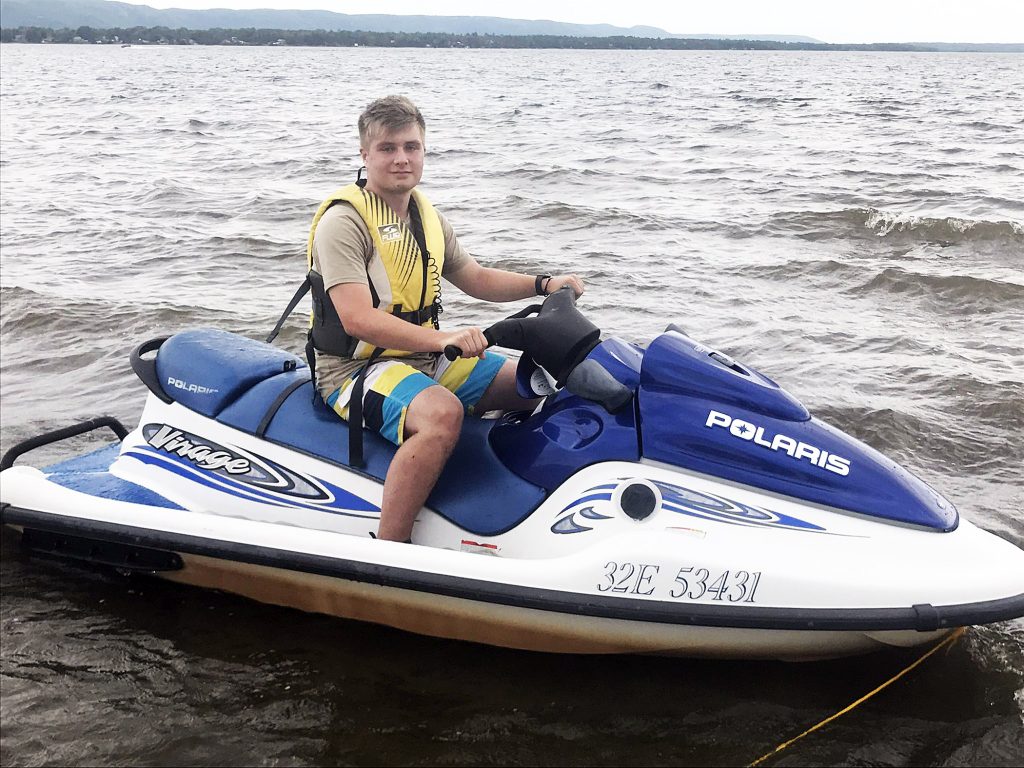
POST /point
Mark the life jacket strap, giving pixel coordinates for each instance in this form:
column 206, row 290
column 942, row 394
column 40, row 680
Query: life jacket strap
column 302, row 291
column 416, row 317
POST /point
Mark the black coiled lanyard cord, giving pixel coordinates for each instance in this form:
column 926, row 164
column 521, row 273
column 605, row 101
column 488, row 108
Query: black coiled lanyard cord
column 430, row 270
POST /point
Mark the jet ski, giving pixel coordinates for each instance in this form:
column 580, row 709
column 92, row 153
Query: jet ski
column 662, row 500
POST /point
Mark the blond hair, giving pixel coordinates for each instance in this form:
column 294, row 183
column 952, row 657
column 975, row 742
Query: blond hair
column 388, row 114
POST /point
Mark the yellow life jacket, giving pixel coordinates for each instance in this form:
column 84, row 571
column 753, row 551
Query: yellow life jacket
column 403, row 280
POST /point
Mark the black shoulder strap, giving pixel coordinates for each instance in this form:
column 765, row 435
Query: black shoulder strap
column 302, row 291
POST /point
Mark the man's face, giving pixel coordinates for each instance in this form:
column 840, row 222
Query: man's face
column 394, row 159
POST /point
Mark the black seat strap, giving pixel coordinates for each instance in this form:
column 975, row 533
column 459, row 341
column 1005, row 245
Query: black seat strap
column 261, row 430
column 355, row 413
column 302, row 291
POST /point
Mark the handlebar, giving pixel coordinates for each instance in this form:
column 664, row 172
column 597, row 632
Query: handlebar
column 453, row 352
column 554, row 334
column 558, row 339
column 505, row 333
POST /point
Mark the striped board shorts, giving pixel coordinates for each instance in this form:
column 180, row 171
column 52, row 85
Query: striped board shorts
column 391, row 385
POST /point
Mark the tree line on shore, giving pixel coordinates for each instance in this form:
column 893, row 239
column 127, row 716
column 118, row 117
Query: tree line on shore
column 346, row 38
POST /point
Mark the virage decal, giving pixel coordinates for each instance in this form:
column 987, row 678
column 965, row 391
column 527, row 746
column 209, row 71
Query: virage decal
column 746, row 430
column 203, row 454
column 241, row 473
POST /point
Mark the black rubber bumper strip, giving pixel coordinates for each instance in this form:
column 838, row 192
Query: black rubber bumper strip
column 922, row 617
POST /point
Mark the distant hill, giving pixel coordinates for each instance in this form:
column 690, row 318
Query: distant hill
column 107, row 13
column 973, row 47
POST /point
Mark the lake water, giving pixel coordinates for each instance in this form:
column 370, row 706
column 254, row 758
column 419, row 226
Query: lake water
column 851, row 224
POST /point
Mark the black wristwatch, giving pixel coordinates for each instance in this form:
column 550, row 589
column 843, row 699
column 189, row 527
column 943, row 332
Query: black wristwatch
column 539, row 285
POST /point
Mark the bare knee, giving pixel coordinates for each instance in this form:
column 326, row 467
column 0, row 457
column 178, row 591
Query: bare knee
column 501, row 395
column 437, row 413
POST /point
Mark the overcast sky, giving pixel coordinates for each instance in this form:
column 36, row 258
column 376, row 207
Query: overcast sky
column 832, row 21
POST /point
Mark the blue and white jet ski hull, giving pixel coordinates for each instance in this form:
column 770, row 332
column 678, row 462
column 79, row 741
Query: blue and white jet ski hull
column 715, row 569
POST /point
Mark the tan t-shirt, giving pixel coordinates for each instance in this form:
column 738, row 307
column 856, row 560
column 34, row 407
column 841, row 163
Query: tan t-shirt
column 342, row 251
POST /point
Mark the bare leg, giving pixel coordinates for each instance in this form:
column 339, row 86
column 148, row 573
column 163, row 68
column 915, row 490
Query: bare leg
column 432, row 426
column 501, row 395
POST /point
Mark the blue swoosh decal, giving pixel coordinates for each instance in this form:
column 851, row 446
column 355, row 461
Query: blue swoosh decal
column 345, row 503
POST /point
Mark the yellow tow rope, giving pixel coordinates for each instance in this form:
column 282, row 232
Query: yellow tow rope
column 947, row 641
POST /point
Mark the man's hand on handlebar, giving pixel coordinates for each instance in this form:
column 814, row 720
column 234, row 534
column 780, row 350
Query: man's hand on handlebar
column 470, row 341
column 560, row 281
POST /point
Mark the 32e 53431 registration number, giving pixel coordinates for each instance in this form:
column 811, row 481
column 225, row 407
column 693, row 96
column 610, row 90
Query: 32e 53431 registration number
column 690, row 582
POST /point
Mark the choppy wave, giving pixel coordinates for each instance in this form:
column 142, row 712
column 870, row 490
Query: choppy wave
column 969, row 441
column 793, row 269
column 585, row 216
column 865, row 222
column 34, row 321
column 951, row 228
column 952, row 290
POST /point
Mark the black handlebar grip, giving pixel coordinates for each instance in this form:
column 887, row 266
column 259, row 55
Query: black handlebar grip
column 453, row 352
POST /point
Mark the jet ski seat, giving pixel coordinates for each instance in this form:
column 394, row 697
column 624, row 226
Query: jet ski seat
column 265, row 391
column 207, row 370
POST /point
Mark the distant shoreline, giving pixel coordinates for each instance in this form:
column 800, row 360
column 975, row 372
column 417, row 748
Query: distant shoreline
column 348, row 39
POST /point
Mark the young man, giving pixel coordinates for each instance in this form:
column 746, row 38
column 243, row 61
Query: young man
column 376, row 251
